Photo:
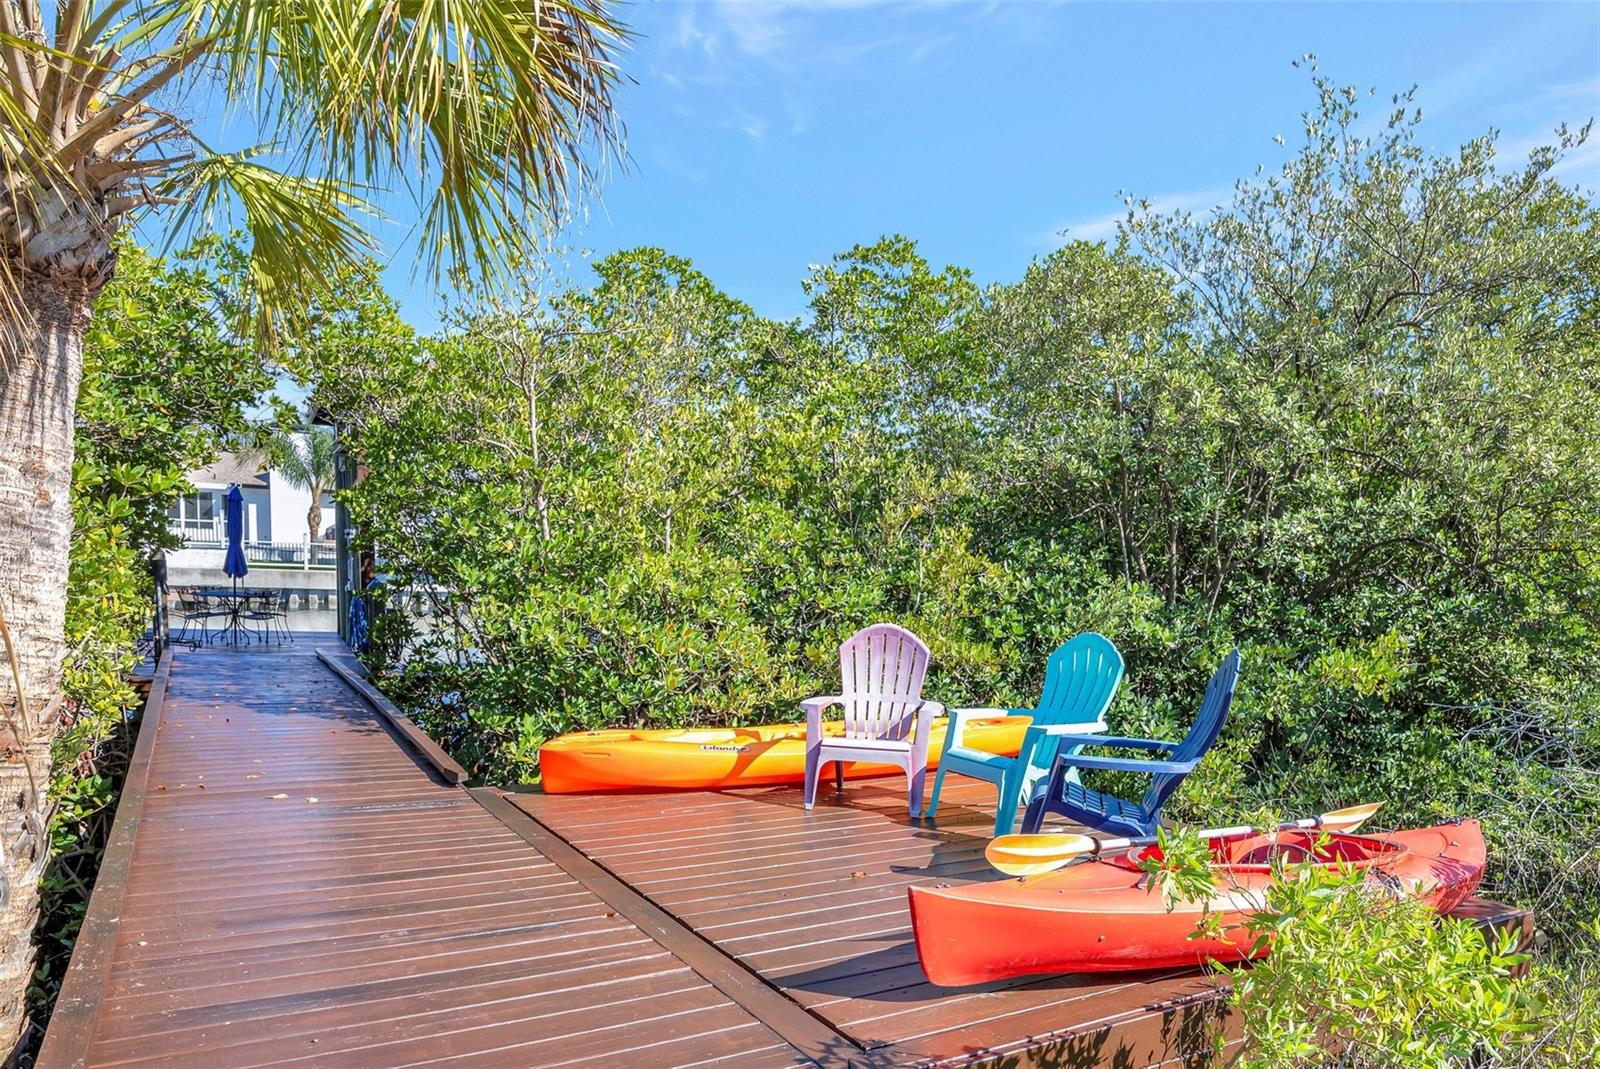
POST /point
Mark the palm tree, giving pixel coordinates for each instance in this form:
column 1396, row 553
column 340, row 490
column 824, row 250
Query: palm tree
column 488, row 114
column 305, row 460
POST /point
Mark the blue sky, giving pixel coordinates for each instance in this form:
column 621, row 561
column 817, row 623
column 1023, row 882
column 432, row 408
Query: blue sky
column 767, row 136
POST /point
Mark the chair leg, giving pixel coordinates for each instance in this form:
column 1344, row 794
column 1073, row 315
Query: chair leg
column 919, row 779
column 838, row 776
column 938, row 785
column 1005, row 807
column 813, row 768
column 1033, row 816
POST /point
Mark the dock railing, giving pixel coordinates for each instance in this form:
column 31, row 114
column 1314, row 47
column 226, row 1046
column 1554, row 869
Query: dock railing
column 306, row 553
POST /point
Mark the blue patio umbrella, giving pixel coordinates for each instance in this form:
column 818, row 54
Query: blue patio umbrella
column 234, row 564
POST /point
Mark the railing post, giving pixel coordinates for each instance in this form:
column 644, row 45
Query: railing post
column 159, row 638
column 306, row 567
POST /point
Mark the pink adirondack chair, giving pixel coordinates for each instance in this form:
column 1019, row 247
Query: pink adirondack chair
column 886, row 720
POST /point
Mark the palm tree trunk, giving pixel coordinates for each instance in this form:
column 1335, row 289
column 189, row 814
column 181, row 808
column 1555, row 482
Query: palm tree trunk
column 37, row 399
column 314, row 513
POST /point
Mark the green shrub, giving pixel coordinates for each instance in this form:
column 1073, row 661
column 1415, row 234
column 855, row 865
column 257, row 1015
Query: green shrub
column 1362, row 977
column 1346, row 424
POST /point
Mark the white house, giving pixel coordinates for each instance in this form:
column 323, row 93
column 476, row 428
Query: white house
column 274, row 520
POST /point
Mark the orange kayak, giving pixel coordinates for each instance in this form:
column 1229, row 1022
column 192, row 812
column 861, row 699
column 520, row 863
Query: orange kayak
column 717, row 758
column 1099, row 916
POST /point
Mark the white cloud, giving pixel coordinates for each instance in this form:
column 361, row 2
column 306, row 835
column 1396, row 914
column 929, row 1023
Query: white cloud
column 1586, row 92
column 755, row 28
column 1103, row 227
column 747, row 123
column 1573, row 102
column 775, row 54
column 1581, row 164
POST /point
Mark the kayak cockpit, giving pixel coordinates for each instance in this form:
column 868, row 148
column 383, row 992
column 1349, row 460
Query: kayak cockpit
column 1258, row 853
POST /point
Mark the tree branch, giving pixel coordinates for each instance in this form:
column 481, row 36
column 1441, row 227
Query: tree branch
column 19, row 64
column 143, row 199
column 86, row 138
column 109, row 175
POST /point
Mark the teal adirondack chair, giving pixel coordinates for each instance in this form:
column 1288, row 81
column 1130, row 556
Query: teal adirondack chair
column 1079, row 681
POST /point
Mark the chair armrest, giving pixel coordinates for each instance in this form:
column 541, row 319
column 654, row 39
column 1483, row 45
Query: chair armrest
column 1126, row 764
column 959, row 718
column 1071, row 735
column 813, row 708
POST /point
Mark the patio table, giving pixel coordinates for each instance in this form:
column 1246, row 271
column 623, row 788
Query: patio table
column 233, row 603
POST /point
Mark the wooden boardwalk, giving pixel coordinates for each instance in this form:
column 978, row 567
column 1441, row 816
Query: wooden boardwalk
column 296, row 879
column 289, row 886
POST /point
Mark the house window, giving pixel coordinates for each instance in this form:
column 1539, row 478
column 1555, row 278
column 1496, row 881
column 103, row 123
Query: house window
column 197, row 515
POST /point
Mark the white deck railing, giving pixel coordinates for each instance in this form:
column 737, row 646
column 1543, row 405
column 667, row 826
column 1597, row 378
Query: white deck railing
column 211, row 534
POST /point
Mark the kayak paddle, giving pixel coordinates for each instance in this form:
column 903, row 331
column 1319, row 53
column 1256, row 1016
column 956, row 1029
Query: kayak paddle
column 1030, row 855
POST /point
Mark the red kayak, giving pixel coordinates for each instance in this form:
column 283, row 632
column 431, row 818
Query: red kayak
column 1099, row 916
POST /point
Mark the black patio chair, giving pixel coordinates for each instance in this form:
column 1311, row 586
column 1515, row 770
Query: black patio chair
column 194, row 610
column 271, row 611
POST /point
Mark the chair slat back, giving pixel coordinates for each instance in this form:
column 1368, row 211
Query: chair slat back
column 1207, row 726
column 1080, row 679
column 881, row 668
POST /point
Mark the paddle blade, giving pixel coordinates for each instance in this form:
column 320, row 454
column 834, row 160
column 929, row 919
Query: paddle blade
column 1030, row 855
column 1348, row 820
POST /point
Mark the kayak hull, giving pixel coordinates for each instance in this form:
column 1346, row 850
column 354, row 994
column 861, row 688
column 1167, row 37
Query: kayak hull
column 720, row 758
column 1098, row 916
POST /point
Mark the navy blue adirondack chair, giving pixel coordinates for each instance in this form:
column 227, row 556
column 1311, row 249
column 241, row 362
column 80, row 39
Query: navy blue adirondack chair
column 1062, row 794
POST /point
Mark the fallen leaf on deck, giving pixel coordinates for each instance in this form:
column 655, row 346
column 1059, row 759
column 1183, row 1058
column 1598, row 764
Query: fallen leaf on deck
column 276, row 797
column 311, row 799
column 858, row 875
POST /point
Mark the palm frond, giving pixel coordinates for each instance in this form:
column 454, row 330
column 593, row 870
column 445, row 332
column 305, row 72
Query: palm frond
column 304, row 458
column 488, row 111
column 302, row 231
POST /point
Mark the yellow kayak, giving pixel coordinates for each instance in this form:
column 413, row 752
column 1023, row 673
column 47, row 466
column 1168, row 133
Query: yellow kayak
column 700, row 759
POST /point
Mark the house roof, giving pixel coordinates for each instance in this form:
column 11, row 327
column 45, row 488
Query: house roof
column 231, row 468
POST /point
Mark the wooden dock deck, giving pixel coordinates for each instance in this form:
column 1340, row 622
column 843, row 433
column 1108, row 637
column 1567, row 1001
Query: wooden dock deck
column 296, row 879
column 814, row 904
